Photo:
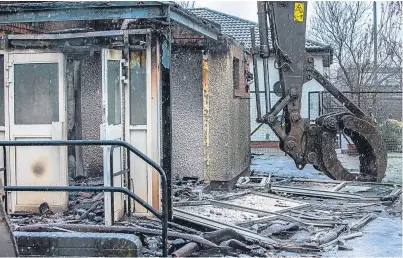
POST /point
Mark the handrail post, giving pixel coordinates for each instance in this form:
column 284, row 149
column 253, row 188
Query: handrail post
column 129, row 202
column 111, row 184
column 5, row 179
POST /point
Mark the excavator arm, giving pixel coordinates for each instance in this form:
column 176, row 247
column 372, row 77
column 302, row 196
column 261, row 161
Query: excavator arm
column 303, row 141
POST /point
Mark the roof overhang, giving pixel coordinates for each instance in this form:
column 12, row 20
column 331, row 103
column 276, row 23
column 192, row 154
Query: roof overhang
column 78, row 11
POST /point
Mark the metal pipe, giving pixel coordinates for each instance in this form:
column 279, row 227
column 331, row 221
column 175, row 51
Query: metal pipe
column 266, row 84
column 375, row 45
column 264, row 49
column 111, row 177
column 263, row 29
column 319, row 105
column 5, row 179
column 309, row 108
column 164, row 191
column 129, row 202
column 256, row 75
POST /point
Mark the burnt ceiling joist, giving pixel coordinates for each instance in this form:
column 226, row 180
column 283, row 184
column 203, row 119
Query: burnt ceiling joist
column 78, row 11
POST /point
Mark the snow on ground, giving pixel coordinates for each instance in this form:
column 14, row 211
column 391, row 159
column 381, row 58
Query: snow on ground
column 281, row 165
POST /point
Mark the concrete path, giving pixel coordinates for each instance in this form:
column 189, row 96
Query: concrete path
column 6, row 245
column 382, row 238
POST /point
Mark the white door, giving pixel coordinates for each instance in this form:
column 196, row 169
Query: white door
column 112, row 128
column 37, row 111
column 138, row 99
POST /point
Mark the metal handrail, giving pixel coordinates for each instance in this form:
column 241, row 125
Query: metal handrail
column 163, row 215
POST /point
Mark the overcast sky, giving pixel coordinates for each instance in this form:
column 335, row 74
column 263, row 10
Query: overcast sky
column 243, row 9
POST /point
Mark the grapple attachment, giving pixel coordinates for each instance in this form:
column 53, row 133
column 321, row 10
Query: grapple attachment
column 304, row 142
column 367, row 140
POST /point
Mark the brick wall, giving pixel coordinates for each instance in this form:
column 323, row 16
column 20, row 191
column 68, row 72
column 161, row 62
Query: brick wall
column 17, row 28
column 264, row 144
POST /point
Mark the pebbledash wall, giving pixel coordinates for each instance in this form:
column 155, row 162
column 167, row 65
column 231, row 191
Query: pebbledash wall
column 229, row 121
column 187, row 113
column 91, row 113
column 227, row 154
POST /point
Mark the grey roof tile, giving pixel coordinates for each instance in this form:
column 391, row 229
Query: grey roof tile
column 239, row 28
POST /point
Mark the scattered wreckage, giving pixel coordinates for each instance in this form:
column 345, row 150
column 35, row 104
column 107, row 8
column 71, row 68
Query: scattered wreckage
column 262, row 216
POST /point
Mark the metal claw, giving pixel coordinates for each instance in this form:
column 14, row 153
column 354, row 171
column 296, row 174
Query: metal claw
column 369, row 144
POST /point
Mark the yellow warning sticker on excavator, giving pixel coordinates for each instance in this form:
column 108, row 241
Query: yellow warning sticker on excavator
column 299, row 12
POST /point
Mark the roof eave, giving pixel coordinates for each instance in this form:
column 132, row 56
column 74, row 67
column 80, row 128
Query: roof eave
column 64, row 11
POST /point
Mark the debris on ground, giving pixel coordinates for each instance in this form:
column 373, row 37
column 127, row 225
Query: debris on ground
column 83, row 207
column 281, row 216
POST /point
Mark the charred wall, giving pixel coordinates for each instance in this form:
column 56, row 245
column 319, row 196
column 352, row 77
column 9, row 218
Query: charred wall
column 88, row 118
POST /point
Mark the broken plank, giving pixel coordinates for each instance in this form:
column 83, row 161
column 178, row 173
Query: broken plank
column 339, row 186
column 318, row 180
column 223, row 204
column 269, row 218
column 190, row 203
column 219, row 225
column 264, row 202
column 186, row 250
column 353, row 235
column 280, row 198
column 320, row 193
column 362, row 222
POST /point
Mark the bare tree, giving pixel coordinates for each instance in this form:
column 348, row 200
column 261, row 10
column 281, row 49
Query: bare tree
column 187, row 4
column 348, row 28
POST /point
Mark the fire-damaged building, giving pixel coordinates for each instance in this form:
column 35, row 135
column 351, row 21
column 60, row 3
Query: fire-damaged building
column 148, row 73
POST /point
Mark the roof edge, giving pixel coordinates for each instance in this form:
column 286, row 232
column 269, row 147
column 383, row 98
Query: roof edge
column 226, row 14
column 325, row 48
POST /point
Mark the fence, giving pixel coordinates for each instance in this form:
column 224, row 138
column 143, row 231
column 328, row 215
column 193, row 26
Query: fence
column 263, row 140
column 384, row 106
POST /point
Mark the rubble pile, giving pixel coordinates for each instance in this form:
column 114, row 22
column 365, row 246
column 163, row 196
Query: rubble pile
column 281, row 216
column 333, row 212
column 187, row 189
column 83, row 207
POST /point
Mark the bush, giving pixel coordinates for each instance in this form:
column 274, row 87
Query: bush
column 391, row 132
